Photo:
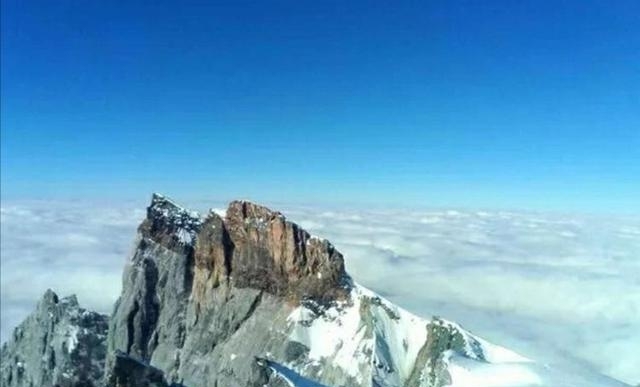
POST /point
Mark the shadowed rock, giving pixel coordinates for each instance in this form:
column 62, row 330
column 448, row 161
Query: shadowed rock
column 129, row 372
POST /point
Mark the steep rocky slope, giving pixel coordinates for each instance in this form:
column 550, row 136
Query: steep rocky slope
column 203, row 296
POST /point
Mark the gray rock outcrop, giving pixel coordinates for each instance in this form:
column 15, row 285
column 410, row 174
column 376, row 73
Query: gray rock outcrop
column 59, row 344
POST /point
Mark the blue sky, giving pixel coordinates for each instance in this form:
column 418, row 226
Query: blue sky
column 531, row 104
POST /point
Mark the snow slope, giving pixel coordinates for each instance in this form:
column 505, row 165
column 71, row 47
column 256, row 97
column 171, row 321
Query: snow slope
column 374, row 340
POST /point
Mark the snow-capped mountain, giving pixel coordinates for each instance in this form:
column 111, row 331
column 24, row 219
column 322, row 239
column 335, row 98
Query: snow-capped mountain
column 203, row 296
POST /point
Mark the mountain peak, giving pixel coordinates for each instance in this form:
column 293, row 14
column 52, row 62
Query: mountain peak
column 254, row 283
column 49, row 297
column 249, row 210
column 251, row 247
column 202, row 298
column 170, row 224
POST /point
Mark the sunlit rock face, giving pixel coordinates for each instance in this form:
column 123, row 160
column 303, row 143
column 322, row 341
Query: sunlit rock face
column 273, row 254
column 59, row 344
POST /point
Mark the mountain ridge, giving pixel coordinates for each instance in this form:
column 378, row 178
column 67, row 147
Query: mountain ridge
column 203, row 295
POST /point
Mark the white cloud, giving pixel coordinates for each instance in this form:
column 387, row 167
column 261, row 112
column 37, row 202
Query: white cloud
column 559, row 288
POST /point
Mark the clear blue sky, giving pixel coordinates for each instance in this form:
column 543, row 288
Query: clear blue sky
column 526, row 104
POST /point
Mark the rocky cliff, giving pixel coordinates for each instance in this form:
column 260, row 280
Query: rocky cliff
column 203, row 295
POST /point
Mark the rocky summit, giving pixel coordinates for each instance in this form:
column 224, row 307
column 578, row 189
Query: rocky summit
column 203, row 297
column 199, row 289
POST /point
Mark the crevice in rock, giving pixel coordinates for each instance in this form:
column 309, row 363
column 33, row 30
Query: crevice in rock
column 252, row 308
column 229, row 248
column 130, row 325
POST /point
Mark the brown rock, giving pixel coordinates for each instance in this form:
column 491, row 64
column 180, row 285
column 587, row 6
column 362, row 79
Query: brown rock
column 275, row 255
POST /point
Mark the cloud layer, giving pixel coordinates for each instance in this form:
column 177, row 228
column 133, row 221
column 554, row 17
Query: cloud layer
column 558, row 288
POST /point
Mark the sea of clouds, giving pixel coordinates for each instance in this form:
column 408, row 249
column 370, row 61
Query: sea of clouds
column 559, row 288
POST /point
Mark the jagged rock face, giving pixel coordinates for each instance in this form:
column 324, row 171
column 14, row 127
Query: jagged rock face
column 197, row 290
column 60, row 344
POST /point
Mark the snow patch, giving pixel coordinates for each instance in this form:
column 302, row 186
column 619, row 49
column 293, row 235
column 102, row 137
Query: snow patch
column 72, row 338
column 184, row 236
column 337, row 334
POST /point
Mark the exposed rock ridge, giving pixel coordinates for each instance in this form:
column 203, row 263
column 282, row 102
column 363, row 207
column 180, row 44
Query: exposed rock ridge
column 59, row 344
column 252, row 246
